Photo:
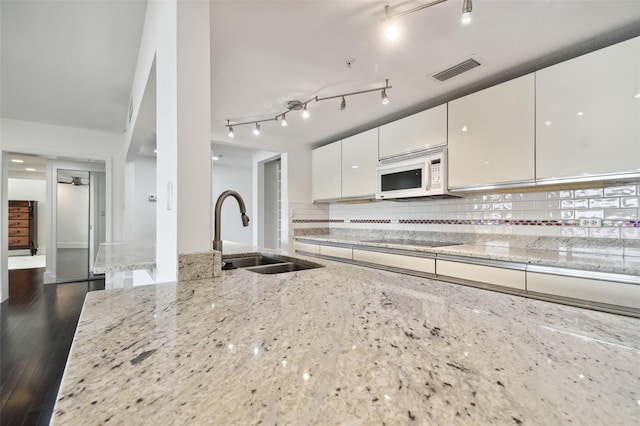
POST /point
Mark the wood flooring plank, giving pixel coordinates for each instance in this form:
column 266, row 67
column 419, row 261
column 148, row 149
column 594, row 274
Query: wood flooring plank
column 37, row 325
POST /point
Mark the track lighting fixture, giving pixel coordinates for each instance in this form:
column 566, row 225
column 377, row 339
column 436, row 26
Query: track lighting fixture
column 466, row 14
column 467, row 7
column 230, row 134
column 298, row 105
column 385, row 98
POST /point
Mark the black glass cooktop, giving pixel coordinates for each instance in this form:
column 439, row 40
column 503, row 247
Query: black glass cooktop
column 413, row 242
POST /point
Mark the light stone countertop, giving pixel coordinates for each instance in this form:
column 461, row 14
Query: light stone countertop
column 564, row 256
column 345, row 344
column 125, row 256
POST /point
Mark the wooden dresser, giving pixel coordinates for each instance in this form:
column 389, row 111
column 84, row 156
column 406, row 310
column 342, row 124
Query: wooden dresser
column 23, row 225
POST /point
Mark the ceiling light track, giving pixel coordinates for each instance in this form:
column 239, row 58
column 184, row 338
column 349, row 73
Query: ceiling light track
column 298, row 105
column 467, row 8
column 388, row 17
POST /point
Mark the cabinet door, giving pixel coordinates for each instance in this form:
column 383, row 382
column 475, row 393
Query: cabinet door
column 359, row 159
column 491, row 135
column 587, row 113
column 419, row 131
column 412, row 263
column 326, row 172
column 483, row 274
column 612, row 293
column 306, row 247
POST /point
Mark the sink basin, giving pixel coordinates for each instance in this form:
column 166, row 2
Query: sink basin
column 244, row 262
column 280, row 268
column 263, row 264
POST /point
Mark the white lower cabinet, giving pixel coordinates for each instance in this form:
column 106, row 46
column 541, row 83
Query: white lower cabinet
column 341, row 252
column 612, row 293
column 412, row 263
column 309, row 248
column 512, row 278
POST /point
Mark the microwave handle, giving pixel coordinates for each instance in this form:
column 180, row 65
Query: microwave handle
column 428, row 185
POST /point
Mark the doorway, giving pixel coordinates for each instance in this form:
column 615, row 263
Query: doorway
column 272, row 190
column 80, row 222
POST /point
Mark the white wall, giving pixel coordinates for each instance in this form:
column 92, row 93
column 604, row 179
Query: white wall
column 73, row 216
column 144, row 217
column 238, row 179
column 32, row 190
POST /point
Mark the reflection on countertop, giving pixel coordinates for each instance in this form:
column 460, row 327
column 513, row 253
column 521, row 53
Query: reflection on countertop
column 345, row 344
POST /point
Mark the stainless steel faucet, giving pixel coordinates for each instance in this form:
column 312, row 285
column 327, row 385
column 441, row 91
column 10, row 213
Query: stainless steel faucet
column 217, row 242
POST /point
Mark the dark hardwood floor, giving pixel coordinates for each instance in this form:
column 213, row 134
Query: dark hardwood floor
column 37, row 325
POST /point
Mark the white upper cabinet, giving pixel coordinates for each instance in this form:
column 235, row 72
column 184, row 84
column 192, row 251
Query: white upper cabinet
column 491, row 135
column 359, row 159
column 326, row 172
column 418, row 131
column 588, row 114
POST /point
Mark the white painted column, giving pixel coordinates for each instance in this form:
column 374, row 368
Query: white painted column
column 194, row 127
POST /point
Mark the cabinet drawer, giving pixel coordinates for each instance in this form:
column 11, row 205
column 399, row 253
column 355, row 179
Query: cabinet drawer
column 613, row 293
column 18, row 223
column 18, row 232
column 309, row 248
column 342, row 252
column 413, row 263
column 483, row 274
column 18, row 241
column 18, row 216
column 19, row 209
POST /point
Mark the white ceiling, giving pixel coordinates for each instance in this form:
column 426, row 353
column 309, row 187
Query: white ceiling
column 69, row 63
column 19, row 163
column 72, row 62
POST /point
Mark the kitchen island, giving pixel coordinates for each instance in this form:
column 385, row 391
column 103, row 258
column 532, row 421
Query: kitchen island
column 345, row 344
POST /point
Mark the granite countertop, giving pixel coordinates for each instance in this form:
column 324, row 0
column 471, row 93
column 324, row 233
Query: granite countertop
column 345, row 344
column 125, row 256
column 607, row 258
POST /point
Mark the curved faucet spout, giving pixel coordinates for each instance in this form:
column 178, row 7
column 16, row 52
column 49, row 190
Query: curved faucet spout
column 217, row 242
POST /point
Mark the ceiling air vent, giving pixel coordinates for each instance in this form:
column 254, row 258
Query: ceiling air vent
column 457, row 69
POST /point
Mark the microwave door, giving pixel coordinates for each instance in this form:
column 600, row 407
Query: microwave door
column 401, row 180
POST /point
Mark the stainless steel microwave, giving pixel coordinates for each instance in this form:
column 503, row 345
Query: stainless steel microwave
column 421, row 176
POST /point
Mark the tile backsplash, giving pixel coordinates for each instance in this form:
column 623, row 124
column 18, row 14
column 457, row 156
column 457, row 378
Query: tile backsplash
column 541, row 213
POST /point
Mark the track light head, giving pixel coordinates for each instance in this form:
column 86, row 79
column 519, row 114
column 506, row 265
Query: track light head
column 467, row 7
column 283, row 123
column 256, row 130
column 305, row 113
column 385, row 98
column 343, row 104
column 231, row 134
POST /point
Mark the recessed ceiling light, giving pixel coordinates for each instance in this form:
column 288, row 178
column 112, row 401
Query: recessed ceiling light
column 155, row 151
column 30, row 169
column 215, row 158
column 17, row 160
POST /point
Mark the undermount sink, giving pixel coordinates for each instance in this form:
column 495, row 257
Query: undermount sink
column 244, row 262
column 279, row 268
column 262, row 264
